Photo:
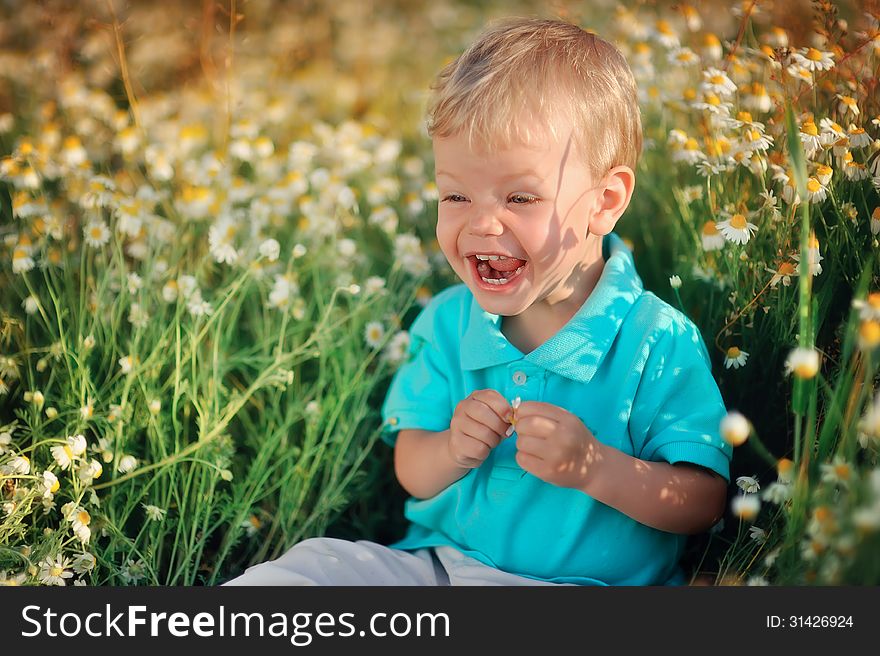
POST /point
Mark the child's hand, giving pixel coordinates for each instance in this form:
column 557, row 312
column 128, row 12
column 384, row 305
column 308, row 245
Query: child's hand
column 555, row 445
column 478, row 425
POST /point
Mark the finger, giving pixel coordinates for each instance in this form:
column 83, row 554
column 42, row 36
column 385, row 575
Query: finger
column 478, row 431
column 528, row 462
column 482, row 413
column 495, row 401
column 537, row 426
column 529, row 408
column 533, row 446
column 475, row 449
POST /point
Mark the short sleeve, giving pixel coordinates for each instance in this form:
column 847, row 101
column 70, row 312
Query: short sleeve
column 419, row 395
column 677, row 409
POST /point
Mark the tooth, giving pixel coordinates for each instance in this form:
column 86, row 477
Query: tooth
column 501, row 281
column 493, row 257
column 502, row 257
column 518, row 269
column 482, row 257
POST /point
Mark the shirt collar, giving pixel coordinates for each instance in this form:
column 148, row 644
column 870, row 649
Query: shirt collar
column 577, row 350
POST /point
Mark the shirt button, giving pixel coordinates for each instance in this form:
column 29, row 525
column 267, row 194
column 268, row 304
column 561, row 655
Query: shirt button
column 519, row 378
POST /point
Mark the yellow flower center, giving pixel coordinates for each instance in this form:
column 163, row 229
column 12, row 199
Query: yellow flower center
column 874, row 298
column 712, row 99
column 842, row 470
column 733, row 352
column 96, row 232
column 786, row 269
column 68, row 452
column 810, row 128
column 83, row 517
column 691, row 144
column 717, row 79
column 711, row 40
column 857, row 131
column 824, row 170
column 813, row 185
column 663, row 27
column 709, row 228
column 814, row 55
column 56, row 571
column 869, row 332
column 689, row 94
column 745, row 117
column 738, row 221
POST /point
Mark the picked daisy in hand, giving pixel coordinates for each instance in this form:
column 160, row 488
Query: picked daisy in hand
column 513, row 404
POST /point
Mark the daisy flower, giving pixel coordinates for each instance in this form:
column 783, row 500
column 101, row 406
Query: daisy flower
column 515, row 406
column 858, row 138
column 803, row 362
column 712, row 239
column 868, row 308
column 824, row 174
column 735, row 358
column 50, row 483
column 716, row 81
column 688, row 152
column 737, row 228
column 783, row 272
column 746, row 506
column 664, row 34
column 96, row 233
column 856, row 171
column 813, row 59
column 675, row 282
column 814, row 258
column 836, row 472
column 683, row 57
column 154, row 513
column 757, row 99
column 810, row 139
column 21, row 261
column 54, row 571
column 270, row 249
column 816, row 191
column 374, row 285
column 869, row 334
column 758, row 534
column 220, row 238
column 398, row 347
column 710, row 47
column 374, row 334
column 748, row 484
column 85, row 562
column 735, row 428
column 126, row 464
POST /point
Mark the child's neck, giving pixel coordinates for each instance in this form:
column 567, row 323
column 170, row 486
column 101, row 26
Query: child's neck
column 538, row 323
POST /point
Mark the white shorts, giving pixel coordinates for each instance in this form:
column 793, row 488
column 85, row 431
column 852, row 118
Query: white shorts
column 330, row 561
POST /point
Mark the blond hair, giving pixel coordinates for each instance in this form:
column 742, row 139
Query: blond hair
column 522, row 75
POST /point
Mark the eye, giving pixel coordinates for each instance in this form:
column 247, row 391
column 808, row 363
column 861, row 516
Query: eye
column 523, row 199
column 454, row 198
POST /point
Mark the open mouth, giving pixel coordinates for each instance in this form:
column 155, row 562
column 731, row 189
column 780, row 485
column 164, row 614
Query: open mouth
column 495, row 272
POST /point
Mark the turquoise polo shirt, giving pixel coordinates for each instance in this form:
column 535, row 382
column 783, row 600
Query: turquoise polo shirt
column 634, row 369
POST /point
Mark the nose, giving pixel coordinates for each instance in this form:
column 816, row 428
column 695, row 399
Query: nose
column 485, row 221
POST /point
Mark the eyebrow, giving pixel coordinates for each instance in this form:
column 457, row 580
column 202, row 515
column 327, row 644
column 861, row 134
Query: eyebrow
column 528, row 173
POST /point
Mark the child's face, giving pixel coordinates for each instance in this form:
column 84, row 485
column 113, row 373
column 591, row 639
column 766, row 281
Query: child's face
column 534, row 204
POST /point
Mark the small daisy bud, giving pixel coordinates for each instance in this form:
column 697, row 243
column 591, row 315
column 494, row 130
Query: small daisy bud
column 42, row 364
column 735, row 428
column 226, row 475
column 51, row 412
column 298, row 251
column 38, row 399
column 675, row 282
column 89, row 342
column 155, row 406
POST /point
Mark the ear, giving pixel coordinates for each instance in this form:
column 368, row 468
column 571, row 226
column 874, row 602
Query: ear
column 615, row 192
